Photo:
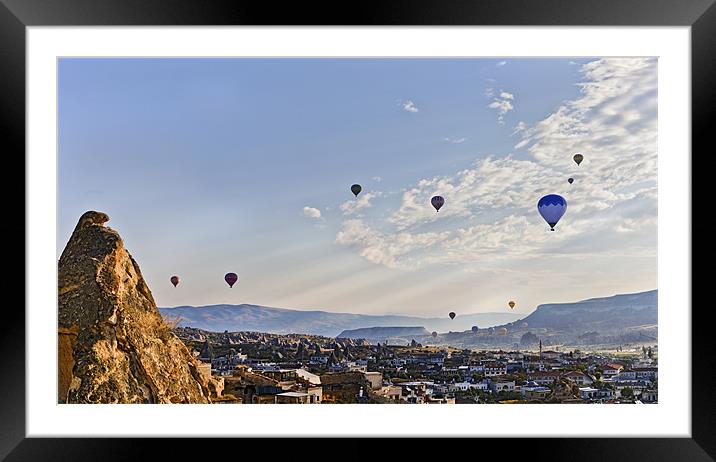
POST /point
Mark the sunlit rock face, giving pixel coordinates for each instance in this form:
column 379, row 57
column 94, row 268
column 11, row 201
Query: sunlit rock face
column 114, row 346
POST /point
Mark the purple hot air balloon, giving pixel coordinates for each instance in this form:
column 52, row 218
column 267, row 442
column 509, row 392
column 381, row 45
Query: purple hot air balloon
column 552, row 207
column 437, row 202
column 231, row 279
column 174, row 280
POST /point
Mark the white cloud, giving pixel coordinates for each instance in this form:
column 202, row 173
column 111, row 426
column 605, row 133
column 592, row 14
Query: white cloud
column 455, row 140
column 361, row 202
column 490, row 208
column 501, row 63
column 503, row 104
column 312, row 212
column 377, row 179
column 380, row 248
column 409, row 106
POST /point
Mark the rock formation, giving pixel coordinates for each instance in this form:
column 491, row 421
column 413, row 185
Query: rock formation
column 114, row 346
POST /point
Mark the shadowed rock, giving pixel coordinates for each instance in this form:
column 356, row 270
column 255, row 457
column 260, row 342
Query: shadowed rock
column 113, row 345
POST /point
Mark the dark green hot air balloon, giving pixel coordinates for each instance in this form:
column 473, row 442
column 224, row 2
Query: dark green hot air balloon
column 356, row 189
column 578, row 158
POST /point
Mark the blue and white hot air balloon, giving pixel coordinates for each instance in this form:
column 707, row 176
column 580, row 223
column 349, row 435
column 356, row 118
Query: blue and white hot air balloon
column 552, row 207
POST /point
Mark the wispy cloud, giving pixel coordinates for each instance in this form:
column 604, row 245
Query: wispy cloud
column 361, row 202
column 455, row 140
column 409, row 106
column 312, row 212
column 377, row 179
column 501, row 63
column 503, row 104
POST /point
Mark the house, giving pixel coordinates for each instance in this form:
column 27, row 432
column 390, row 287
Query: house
column 375, row 379
column 354, row 366
column 501, row 385
column 482, row 386
column 646, row 373
column 625, row 374
column 649, row 396
column 611, row 369
column 476, row 368
column 544, row 377
column 588, row 392
column 309, row 377
column 579, row 378
column 492, row 369
column 319, row 359
column 390, row 392
column 535, row 393
column 460, row 386
column 549, row 354
column 343, row 387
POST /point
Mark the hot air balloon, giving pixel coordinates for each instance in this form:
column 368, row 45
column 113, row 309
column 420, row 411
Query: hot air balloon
column 570, row 180
column 524, row 325
column 552, row 207
column 175, row 280
column 502, row 331
column 231, row 279
column 491, row 330
column 578, row 158
column 452, row 315
column 474, row 329
column 356, row 189
column 511, row 303
column 437, row 202
column 435, row 334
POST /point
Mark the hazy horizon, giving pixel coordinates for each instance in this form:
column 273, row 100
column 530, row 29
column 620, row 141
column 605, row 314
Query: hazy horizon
column 207, row 166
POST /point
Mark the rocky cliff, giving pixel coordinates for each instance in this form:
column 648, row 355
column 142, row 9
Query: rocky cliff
column 113, row 345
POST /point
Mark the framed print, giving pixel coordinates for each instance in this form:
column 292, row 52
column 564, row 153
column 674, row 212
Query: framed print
column 484, row 206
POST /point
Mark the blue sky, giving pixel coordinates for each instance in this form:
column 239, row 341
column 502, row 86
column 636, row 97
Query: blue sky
column 213, row 165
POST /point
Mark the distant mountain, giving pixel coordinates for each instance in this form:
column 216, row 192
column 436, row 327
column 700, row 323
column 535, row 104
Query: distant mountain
column 598, row 314
column 596, row 322
column 381, row 334
column 218, row 318
column 620, row 319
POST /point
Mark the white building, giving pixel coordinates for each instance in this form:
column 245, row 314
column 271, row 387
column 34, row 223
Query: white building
column 588, row 393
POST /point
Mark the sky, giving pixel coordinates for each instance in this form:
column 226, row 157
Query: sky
column 207, row 166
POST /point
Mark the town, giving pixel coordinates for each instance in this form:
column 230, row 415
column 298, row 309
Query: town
column 263, row 368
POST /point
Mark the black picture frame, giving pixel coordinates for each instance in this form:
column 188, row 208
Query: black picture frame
column 16, row 15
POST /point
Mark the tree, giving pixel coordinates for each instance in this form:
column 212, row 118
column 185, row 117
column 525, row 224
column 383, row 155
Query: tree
column 627, row 392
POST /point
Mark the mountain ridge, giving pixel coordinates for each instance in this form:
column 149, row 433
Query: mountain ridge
column 220, row 317
column 603, row 314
